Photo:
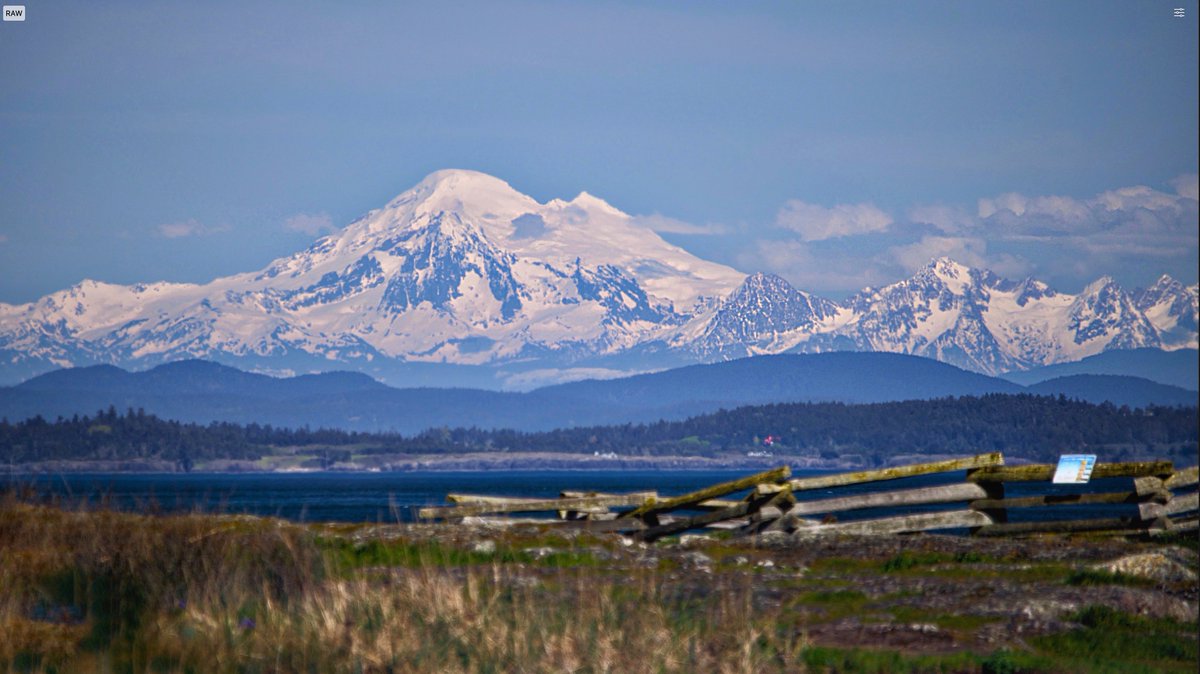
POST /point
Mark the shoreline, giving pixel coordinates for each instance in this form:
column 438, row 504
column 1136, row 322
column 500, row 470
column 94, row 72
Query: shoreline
column 463, row 463
column 459, row 463
column 478, row 462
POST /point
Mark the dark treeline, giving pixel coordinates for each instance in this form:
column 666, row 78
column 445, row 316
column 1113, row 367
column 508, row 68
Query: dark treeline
column 1035, row 427
column 1021, row 425
column 137, row 435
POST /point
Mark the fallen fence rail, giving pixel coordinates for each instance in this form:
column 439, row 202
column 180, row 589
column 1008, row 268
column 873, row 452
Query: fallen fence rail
column 484, row 505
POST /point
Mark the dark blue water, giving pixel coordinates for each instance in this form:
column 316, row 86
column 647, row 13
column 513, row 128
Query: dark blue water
column 391, row 497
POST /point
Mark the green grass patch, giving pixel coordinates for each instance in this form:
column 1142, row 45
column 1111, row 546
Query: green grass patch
column 835, row 597
column 1093, row 577
column 1184, row 539
column 346, row 556
column 840, row 566
column 910, row 560
column 835, row 604
column 869, row 661
column 1112, row 641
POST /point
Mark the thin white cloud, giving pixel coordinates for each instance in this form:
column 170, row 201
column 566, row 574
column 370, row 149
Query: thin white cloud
column 967, row 250
column 817, row 271
column 669, row 225
column 1138, row 206
column 817, row 223
column 1131, row 230
column 1187, row 186
column 1139, row 196
column 178, row 230
column 531, row 379
column 1017, row 211
column 1011, row 202
column 311, row 224
column 948, row 219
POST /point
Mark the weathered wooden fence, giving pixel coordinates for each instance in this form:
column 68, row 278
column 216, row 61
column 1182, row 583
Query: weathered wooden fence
column 1161, row 499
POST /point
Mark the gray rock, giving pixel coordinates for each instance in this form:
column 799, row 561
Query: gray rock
column 1151, row 565
column 693, row 540
column 541, row 553
column 697, row 559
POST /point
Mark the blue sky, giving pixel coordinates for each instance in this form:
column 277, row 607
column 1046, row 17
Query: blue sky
column 838, row 144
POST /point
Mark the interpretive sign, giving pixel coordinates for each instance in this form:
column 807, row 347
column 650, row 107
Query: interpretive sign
column 1074, row 468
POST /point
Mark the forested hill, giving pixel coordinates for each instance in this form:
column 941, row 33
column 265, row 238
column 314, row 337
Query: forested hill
column 1023, row 426
column 203, row 392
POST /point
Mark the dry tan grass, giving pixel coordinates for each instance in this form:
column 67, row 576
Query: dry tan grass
column 219, row 594
column 427, row 620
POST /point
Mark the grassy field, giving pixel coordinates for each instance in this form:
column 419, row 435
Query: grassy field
column 103, row 591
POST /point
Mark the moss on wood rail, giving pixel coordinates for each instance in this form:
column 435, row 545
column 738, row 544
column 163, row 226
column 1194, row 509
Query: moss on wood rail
column 892, row 473
column 715, row 491
column 1043, row 472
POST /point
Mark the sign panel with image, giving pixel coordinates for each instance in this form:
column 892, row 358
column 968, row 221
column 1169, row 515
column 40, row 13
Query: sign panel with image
column 1074, row 468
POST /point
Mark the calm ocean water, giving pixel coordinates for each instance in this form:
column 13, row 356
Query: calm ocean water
column 390, row 497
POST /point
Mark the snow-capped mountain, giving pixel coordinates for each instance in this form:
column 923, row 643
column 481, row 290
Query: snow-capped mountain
column 460, row 269
column 953, row 313
column 941, row 313
column 979, row 321
column 1172, row 308
column 463, row 270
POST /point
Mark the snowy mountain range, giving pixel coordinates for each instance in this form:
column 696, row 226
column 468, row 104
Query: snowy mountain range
column 463, row 274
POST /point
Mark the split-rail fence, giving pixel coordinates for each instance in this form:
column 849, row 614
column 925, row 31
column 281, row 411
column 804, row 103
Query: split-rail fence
column 1157, row 497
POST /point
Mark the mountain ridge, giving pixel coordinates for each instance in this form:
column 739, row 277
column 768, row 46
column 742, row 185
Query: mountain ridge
column 203, row 392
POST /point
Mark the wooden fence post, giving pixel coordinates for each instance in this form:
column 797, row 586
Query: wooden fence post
column 995, row 492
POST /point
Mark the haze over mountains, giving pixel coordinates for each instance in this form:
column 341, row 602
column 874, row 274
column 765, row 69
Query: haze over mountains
column 462, row 280
column 201, row 391
column 1175, row 368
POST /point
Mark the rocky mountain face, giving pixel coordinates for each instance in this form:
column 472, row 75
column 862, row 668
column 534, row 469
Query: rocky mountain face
column 967, row 317
column 1171, row 307
column 463, row 270
column 756, row 315
column 978, row 321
